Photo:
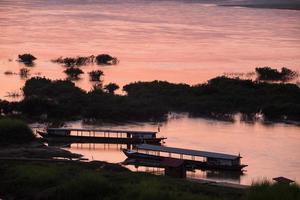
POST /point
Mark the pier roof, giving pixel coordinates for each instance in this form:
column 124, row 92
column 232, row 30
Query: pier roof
column 102, row 130
column 188, row 152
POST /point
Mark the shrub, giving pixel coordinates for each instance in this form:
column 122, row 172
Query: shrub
column 105, row 59
column 24, row 73
column 275, row 191
column 96, row 75
column 77, row 61
column 14, row 132
column 111, row 87
column 8, row 73
column 26, row 58
column 269, row 74
column 73, row 72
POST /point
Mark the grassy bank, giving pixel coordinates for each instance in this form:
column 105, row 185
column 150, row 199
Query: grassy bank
column 14, row 131
column 90, row 181
column 73, row 181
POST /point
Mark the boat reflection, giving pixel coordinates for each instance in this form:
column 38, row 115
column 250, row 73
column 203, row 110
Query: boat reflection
column 154, row 168
column 113, row 153
column 92, row 146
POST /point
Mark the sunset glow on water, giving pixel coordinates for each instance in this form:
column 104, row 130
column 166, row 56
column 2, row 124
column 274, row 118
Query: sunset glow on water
column 160, row 40
column 268, row 149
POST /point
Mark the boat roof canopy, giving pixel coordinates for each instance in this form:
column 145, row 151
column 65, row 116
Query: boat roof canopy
column 102, row 130
column 188, row 152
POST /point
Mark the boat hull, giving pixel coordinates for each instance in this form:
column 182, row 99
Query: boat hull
column 189, row 164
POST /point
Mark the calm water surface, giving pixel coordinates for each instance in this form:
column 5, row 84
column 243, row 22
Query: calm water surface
column 178, row 41
column 269, row 150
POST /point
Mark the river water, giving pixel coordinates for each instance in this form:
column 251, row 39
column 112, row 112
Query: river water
column 269, row 150
column 177, row 41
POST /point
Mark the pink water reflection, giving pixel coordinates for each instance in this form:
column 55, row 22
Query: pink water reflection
column 166, row 40
column 269, row 150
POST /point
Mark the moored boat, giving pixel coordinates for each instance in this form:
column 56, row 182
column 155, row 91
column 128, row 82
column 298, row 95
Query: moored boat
column 198, row 159
column 100, row 136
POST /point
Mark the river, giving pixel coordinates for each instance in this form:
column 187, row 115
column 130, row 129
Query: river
column 269, row 149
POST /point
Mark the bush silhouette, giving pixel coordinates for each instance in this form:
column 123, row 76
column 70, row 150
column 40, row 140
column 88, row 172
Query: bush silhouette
column 14, row 131
column 111, row 88
column 95, row 75
column 105, row 59
column 27, row 59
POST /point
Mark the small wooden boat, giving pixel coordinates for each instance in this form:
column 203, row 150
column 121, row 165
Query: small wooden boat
column 210, row 160
column 99, row 136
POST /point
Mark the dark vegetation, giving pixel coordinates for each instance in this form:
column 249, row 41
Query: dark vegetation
column 95, row 75
column 288, row 5
column 278, row 191
column 76, row 61
column 102, row 59
column 62, row 99
column 38, row 180
column 14, row 131
column 105, row 59
column 71, row 181
column 8, row 73
column 27, row 59
column 269, row 74
column 219, row 98
column 73, row 72
column 24, row 73
column 111, row 88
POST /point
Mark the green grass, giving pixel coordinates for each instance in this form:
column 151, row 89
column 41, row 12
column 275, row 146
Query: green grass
column 74, row 181
column 266, row 190
column 71, row 181
column 14, row 131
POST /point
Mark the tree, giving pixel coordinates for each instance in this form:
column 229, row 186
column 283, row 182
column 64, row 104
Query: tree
column 27, row 59
column 73, row 72
column 288, row 75
column 105, row 59
column 111, row 87
column 96, row 75
column 269, row 74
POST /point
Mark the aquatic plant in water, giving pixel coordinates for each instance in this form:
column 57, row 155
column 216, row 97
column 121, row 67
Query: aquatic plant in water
column 76, row 61
column 73, row 72
column 101, row 59
column 27, row 59
column 105, row 59
column 24, row 73
column 8, row 73
column 95, row 75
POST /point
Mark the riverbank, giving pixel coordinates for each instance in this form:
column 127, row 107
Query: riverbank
column 268, row 5
column 33, row 170
column 99, row 180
